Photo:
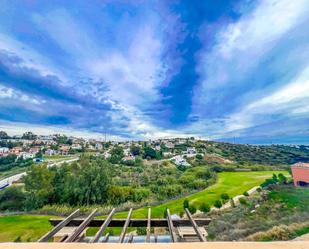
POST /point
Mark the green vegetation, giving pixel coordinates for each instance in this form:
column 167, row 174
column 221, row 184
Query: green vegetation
column 278, row 212
column 232, row 183
column 245, row 154
column 27, row 227
column 11, row 161
column 228, row 182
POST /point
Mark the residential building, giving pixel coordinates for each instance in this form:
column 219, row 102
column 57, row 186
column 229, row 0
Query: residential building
column 300, row 172
column 180, row 161
column 98, row 146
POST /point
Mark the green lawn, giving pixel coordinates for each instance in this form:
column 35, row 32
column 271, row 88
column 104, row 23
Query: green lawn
column 58, row 157
column 28, row 227
column 232, row 183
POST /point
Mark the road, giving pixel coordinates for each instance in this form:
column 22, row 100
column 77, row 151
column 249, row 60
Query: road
column 6, row 182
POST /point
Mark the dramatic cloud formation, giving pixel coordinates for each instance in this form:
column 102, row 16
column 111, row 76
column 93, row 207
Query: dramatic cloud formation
column 149, row 69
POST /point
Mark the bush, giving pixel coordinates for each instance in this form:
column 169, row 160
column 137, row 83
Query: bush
column 225, row 196
column 242, row 201
column 246, row 193
column 259, row 190
column 218, row 204
column 12, row 199
column 205, row 208
column 192, row 209
column 185, row 204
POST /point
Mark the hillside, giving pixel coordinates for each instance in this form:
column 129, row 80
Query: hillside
column 279, row 213
column 260, row 154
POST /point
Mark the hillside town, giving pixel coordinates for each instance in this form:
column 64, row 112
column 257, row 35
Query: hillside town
column 38, row 147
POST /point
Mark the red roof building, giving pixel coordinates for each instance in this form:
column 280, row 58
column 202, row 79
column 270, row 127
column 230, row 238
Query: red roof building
column 300, row 172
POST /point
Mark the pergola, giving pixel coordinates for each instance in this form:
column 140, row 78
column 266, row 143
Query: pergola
column 179, row 230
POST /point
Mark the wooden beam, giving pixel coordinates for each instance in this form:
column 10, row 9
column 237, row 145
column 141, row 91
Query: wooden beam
column 59, row 226
column 125, row 227
column 196, row 228
column 148, row 225
column 155, row 222
column 103, row 227
column 63, row 238
column 81, row 227
column 130, row 240
column 105, row 238
column 171, row 226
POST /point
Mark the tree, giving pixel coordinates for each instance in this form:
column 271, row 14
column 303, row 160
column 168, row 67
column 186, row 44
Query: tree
column 12, row 199
column 29, row 135
column 185, row 204
column 149, row 153
column 116, row 155
column 89, row 185
column 135, row 150
column 199, row 157
column 4, row 135
column 39, row 184
column 218, row 204
column 205, row 208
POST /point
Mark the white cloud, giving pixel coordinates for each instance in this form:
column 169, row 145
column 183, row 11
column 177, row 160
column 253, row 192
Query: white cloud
column 241, row 45
column 290, row 100
column 7, row 93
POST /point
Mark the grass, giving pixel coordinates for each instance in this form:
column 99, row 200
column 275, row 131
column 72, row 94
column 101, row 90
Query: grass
column 291, row 197
column 27, row 227
column 31, row 227
column 58, row 157
column 232, row 183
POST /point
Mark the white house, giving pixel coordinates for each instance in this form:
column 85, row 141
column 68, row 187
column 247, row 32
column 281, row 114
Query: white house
column 169, row 145
column 26, row 155
column 106, row 155
column 50, row 152
column 98, row 146
column 4, row 150
column 191, row 150
column 76, row 146
column 180, row 161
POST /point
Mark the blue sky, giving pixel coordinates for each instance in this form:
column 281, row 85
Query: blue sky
column 153, row 69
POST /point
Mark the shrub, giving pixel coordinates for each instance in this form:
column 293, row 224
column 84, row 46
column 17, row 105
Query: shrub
column 225, row 196
column 205, row 208
column 259, row 189
column 185, row 204
column 218, row 204
column 282, row 179
column 246, row 193
column 12, row 198
column 242, row 201
column 192, row 209
column 18, row 239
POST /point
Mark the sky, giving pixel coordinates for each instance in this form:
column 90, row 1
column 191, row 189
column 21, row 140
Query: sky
column 234, row 70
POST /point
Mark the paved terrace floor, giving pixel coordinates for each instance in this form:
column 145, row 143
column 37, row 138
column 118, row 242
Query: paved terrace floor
column 199, row 245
